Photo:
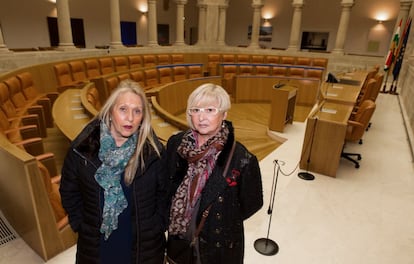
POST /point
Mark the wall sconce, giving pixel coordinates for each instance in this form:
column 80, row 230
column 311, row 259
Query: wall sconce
column 144, row 13
column 266, row 23
column 380, row 21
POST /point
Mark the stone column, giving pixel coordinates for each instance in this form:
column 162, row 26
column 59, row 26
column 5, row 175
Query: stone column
column 3, row 47
column 296, row 24
column 152, row 23
column 179, row 41
column 257, row 8
column 202, row 14
column 116, row 41
column 405, row 10
column 64, row 27
column 343, row 26
column 222, row 24
column 405, row 6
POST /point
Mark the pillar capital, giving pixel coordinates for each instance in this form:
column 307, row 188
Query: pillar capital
column 406, row 4
column 257, row 3
column 181, row 2
column 298, row 3
column 347, row 3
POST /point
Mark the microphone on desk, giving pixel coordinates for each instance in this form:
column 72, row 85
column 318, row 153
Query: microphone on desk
column 332, row 78
column 280, row 85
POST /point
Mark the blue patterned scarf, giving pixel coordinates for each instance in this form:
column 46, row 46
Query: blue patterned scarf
column 114, row 160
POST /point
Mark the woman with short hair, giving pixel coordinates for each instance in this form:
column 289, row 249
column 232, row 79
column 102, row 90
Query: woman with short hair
column 201, row 196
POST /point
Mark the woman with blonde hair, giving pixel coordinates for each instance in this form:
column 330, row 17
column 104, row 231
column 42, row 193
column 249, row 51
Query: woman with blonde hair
column 215, row 183
column 113, row 186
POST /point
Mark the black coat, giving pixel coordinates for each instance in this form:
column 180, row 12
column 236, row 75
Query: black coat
column 234, row 198
column 81, row 200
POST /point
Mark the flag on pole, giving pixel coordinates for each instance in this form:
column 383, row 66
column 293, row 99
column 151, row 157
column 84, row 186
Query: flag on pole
column 394, row 44
column 401, row 50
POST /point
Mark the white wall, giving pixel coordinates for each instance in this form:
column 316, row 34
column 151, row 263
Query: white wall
column 26, row 27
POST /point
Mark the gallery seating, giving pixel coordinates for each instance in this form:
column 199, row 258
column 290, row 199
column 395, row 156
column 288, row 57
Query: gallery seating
column 107, row 71
column 106, row 65
column 120, row 63
column 92, row 68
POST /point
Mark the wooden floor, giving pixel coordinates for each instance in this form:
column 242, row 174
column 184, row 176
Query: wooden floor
column 250, row 121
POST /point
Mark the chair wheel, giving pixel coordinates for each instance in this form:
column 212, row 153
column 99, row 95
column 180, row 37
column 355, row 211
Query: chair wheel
column 359, row 157
column 357, row 166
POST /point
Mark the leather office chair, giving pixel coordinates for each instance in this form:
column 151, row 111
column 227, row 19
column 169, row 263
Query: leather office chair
column 243, row 58
column 92, row 68
column 296, row 72
column 149, row 60
column 106, row 65
column 245, row 70
column 357, row 125
column 93, row 98
column 257, row 59
column 135, row 61
column 279, row 71
column 165, row 75
column 289, row 60
column 379, row 77
column 262, row 70
column 163, row 59
column 212, row 64
column 228, row 58
column 303, row 61
column 138, row 76
column 31, row 93
column 13, row 112
column 51, row 181
column 177, row 58
column 78, row 71
column 123, row 76
column 272, row 59
column 228, row 73
column 195, row 71
column 151, row 78
column 121, row 63
column 179, row 73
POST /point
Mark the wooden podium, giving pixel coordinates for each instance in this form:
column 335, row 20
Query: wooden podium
column 324, row 138
column 283, row 101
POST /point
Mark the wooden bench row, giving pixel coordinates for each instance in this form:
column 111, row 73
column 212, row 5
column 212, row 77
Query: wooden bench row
column 30, row 200
column 149, row 79
column 76, row 72
column 33, row 204
column 19, row 99
column 214, row 60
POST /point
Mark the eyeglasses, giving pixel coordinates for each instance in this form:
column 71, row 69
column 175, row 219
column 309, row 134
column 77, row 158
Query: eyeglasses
column 206, row 110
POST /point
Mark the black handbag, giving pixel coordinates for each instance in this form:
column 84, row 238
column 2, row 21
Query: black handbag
column 181, row 251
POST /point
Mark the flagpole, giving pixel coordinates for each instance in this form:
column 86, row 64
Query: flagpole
column 389, row 60
column 384, row 88
column 400, row 57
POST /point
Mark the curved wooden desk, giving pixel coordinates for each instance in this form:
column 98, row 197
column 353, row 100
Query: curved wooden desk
column 326, row 126
column 69, row 114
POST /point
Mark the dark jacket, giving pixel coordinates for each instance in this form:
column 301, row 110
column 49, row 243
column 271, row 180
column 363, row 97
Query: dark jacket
column 234, row 198
column 81, row 199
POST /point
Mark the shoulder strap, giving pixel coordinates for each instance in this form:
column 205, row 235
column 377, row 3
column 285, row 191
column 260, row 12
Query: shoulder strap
column 207, row 211
column 226, row 168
